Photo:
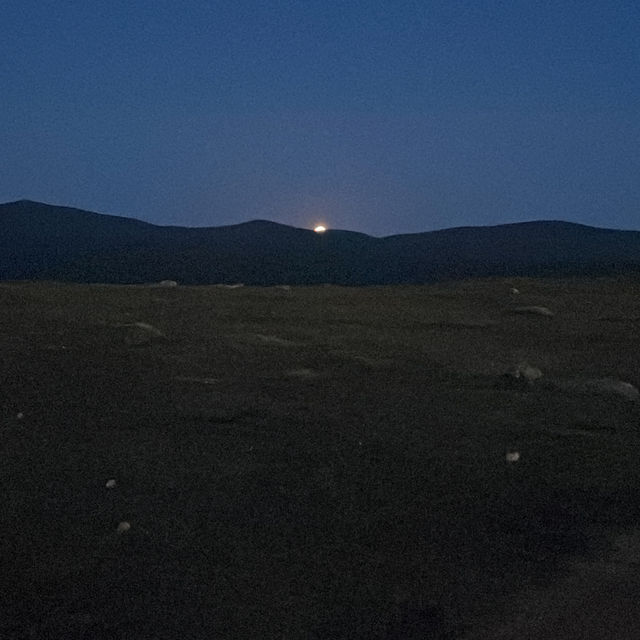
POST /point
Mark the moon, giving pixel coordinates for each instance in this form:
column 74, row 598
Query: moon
column 320, row 228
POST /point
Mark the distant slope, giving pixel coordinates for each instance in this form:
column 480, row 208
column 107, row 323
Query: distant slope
column 36, row 237
column 41, row 241
column 527, row 248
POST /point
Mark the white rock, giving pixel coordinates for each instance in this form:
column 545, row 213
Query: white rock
column 167, row 283
column 515, row 291
column 141, row 333
column 534, row 311
column 20, row 415
column 527, row 372
column 613, row 386
column 123, row 527
column 521, row 376
column 283, row 342
column 513, row 456
column 110, row 484
column 599, row 386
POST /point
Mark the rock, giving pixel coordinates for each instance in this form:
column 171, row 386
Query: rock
column 110, row 484
column 166, row 283
column 138, row 334
column 599, row 386
column 526, row 371
column 534, row 311
column 611, row 386
column 515, row 291
column 521, row 376
column 512, row 456
column 123, row 527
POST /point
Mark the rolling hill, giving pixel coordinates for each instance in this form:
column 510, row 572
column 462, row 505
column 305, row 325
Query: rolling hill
column 44, row 242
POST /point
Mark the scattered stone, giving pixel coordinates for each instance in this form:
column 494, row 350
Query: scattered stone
column 166, row 283
column 617, row 387
column 20, row 416
column 521, row 376
column 110, row 484
column 515, row 291
column 601, row 386
column 123, row 527
column 526, row 371
column 140, row 333
column 534, row 311
column 512, row 456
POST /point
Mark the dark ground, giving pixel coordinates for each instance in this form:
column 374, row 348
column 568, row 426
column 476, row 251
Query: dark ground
column 316, row 462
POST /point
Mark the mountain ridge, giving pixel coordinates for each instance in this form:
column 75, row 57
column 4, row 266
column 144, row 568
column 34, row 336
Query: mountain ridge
column 40, row 241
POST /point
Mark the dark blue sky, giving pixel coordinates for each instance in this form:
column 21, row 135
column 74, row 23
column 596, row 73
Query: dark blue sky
column 381, row 117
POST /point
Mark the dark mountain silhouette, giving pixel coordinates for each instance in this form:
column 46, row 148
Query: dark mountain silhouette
column 45, row 242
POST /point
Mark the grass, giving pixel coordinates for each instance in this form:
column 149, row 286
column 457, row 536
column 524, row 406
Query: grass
column 371, row 499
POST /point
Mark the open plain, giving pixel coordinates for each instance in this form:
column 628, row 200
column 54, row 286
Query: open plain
column 320, row 462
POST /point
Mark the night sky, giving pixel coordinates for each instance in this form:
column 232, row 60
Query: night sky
column 380, row 117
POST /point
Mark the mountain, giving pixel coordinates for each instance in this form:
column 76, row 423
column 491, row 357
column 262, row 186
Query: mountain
column 44, row 242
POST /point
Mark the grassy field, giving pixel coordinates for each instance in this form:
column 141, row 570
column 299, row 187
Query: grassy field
column 316, row 463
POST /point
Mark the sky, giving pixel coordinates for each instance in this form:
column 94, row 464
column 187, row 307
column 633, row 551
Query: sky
column 383, row 117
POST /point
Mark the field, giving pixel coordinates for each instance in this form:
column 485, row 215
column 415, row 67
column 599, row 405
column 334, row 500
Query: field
column 319, row 462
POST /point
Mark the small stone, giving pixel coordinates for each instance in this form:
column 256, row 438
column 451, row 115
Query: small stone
column 110, row 484
column 20, row 416
column 613, row 387
column 600, row 386
column 526, row 371
column 123, row 527
column 522, row 377
column 534, row 311
column 140, row 333
column 513, row 456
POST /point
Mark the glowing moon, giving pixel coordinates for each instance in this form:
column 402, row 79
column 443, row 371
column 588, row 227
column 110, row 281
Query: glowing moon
column 320, row 229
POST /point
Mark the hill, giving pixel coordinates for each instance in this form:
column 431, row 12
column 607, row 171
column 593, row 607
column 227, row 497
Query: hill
column 46, row 242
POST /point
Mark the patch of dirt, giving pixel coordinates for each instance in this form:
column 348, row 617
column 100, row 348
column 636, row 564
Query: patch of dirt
column 593, row 599
column 304, row 374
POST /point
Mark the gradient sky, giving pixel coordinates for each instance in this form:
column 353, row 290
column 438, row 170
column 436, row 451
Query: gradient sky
column 380, row 117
